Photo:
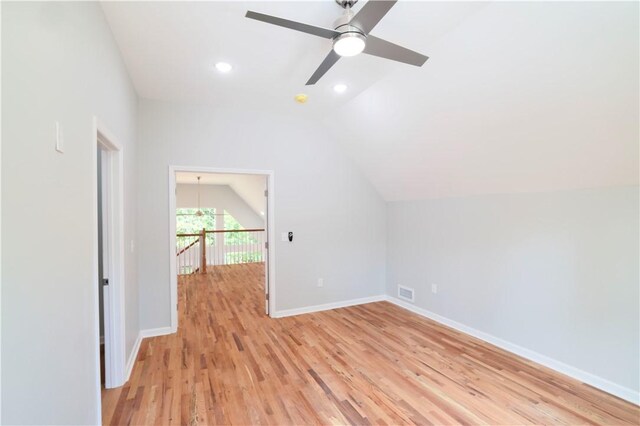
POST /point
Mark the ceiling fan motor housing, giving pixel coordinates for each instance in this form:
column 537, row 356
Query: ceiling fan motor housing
column 346, row 3
column 342, row 23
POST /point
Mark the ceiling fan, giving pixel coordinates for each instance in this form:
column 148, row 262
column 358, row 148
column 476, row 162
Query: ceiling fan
column 351, row 35
column 199, row 211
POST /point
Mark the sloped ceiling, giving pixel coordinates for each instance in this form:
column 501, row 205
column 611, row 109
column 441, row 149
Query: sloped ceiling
column 516, row 96
column 248, row 187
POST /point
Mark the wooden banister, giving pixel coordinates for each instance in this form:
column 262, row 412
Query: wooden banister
column 187, row 247
column 220, row 231
column 203, row 251
column 233, row 230
column 226, row 246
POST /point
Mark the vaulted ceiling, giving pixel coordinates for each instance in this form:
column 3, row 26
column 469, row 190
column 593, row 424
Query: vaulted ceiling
column 516, row 96
column 248, row 187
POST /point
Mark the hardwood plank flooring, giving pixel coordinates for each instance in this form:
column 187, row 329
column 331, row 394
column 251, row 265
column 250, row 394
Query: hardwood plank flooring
column 370, row 364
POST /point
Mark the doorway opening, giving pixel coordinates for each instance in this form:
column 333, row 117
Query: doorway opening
column 221, row 221
column 109, row 260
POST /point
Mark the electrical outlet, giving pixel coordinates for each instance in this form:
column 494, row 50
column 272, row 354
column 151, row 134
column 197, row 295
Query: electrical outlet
column 320, row 282
column 434, row 288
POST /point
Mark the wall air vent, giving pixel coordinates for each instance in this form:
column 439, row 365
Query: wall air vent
column 405, row 293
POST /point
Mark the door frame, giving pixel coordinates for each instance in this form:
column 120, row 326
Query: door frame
column 114, row 301
column 270, row 283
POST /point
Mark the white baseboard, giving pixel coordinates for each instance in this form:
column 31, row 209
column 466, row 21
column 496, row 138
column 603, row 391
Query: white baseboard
column 132, row 357
column 328, row 306
column 583, row 376
column 153, row 332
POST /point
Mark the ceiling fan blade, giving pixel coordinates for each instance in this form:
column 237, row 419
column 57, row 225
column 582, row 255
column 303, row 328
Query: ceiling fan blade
column 371, row 13
column 385, row 49
column 298, row 26
column 328, row 62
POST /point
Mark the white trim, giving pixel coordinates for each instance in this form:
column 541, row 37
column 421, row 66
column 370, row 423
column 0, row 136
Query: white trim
column 133, row 356
column 1, row 227
column 581, row 375
column 114, row 300
column 271, row 255
column 328, row 306
column 154, row 332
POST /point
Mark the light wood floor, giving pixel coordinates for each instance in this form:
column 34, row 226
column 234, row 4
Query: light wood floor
column 375, row 363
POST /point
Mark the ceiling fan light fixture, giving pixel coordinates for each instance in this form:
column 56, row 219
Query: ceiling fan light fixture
column 349, row 44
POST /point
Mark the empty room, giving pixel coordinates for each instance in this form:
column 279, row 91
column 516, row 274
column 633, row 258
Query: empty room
column 327, row 212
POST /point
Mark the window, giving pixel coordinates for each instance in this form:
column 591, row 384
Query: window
column 187, row 222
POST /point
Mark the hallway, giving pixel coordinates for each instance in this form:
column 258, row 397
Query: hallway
column 375, row 363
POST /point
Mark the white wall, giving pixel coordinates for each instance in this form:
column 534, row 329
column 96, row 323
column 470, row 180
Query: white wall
column 221, row 197
column 336, row 215
column 556, row 273
column 59, row 62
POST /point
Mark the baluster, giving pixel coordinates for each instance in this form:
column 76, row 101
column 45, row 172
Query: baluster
column 203, row 252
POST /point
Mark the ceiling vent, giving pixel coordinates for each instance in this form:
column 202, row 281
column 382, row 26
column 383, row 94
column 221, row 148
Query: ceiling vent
column 405, row 293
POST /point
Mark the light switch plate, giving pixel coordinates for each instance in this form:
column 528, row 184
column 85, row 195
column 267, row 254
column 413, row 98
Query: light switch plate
column 59, row 138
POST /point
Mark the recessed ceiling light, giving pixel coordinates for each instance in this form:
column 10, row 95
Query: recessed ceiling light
column 223, row 67
column 340, row 88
